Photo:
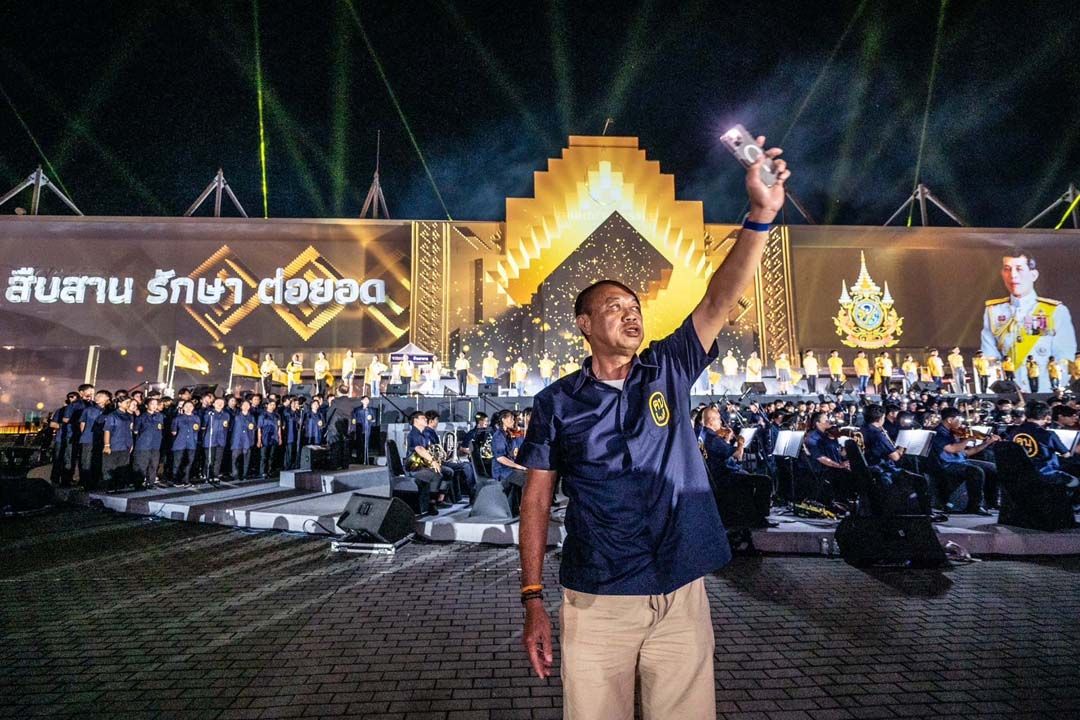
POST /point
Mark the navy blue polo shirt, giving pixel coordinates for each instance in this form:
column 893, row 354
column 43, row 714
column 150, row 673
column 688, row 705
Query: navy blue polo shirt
column 502, row 446
column 185, row 429
column 819, row 445
column 269, row 425
column 119, row 426
column 243, row 432
column 1042, row 446
column 642, row 519
column 148, row 428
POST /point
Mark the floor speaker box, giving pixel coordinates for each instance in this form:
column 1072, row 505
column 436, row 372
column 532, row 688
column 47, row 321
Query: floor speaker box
column 314, row 457
column 893, row 540
column 376, row 519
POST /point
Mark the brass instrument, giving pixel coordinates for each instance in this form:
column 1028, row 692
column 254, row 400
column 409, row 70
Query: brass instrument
column 415, row 462
column 449, row 444
column 486, row 453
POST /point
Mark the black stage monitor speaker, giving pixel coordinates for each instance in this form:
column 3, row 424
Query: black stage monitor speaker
column 488, row 390
column 899, row 539
column 314, row 457
column 397, row 389
column 376, row 519
column 757, row 388
column 921, row 387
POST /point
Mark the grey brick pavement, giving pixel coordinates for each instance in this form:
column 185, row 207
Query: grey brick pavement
column 111, row 616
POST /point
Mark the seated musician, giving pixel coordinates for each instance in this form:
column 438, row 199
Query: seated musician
column 952, row 462
column 735, row 488
column 891, row 422
column 828, row 457
column 504, row 465
column 1042, row 446
column 463, row 474
column 882, row 456
column 424, row 469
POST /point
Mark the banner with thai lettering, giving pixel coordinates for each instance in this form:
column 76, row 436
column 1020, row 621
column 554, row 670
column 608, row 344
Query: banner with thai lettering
column 204, row 281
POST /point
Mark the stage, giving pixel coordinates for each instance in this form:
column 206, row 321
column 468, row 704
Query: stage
column 310, row 502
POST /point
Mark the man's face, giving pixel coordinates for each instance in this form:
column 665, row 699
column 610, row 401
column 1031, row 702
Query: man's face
column 433, row 423
column 1069, row 421
column 711, row 419
column 613, row 320
column 482, row 423
column 823, row 423
column 153, row 406
column 1018, row 276
column 219, row 404
column 420, row 422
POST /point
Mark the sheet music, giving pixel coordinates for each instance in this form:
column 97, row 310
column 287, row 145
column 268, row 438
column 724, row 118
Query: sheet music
column 917, row 442
column 788, row 443
column 1068, row 437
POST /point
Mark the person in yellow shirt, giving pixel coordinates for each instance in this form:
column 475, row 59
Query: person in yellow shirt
column 1053, row 370
column 547, row 367
column 1074, row 368
column 1008, row 368
column 348, row 370
column 267, row 370
column 810, row 369
column 373, row 375
column 1033, row 372
column 836, row 367
column 293, row 371
column 519, row 372
column 461, row 371
column 570, row 366
column 982, row 370
column 322, row 369
column 731, row 372
column 753, row 368
column 883, row 367
column 910, row 369
column 959, row 373
column 936, row 367
column 715, row 379
column 783, row 373
column 862, row 370
column 489, row 367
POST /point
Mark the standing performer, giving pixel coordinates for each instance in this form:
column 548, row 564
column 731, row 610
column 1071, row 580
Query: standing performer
column 519, row 373
column 461, row 371
column 633, row 562
column 547, row 368
column 322, row 370
column 862, row 371
column 490, row 367
column 753, row 368
column 363, row 420
column 883, row 370
column 959, row 373
column 185, row 432
column 836, row 368
column 982, row 370
column 910, row 368
column 783, row 373
column 148, row 434
column 266, row 372
column 730, row 366
column 269, row 439
column 294, row 371
column 373, row 376
column 810, row 367
column 936, row 367
column 348, row 371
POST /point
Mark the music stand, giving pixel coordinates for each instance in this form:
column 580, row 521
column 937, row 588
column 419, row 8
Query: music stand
column 1068, row 437
column 747, row 435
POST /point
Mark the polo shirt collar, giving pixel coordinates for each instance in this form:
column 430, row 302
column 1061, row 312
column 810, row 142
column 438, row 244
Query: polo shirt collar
column 587, row 373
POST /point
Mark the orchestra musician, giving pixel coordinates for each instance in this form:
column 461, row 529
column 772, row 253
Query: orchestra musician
column 894, row 486
column 506, row 439
column 952, row 463
column 425, row 469
column 827, row 455
column 742, row 498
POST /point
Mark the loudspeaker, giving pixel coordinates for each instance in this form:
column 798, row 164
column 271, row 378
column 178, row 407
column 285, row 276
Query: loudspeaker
column 376, row 519
column 921, row 387
column 757, row 388
column 314, row 457
column 25, row 494
column 488, row 389
column 491, row 503
column 397, row 389
column 897, row 539
column 1004, row 387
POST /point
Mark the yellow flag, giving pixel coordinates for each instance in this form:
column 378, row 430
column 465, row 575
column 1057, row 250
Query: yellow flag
column 280, row 377
column 185, row 357
column 244, row 367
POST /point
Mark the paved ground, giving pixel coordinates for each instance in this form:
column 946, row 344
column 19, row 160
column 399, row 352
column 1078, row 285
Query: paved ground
column 114, row 616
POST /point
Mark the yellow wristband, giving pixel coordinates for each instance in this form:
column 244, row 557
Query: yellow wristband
column 531, row 588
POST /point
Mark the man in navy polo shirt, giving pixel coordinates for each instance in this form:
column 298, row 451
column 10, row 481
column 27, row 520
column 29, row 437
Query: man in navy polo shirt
column 642, row 527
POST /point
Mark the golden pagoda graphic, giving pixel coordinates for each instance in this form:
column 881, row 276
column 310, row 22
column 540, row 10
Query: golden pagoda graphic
column 867, row 318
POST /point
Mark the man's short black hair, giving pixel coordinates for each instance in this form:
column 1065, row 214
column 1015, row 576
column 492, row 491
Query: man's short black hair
column 414, row 415
column 1061, row 411
column 431, row 415
column 873, row 413
column 1019, row 252
column 949, row 412
column 1036, row 410
column 581, row 302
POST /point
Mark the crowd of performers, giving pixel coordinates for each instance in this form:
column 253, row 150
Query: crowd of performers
column 747, row 476
column 110, row 441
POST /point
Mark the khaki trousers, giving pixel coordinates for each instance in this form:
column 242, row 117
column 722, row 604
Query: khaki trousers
column 608, row 641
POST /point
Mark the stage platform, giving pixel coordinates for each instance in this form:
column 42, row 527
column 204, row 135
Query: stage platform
column 310, row 502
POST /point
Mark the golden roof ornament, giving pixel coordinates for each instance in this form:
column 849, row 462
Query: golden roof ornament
column 867, row 318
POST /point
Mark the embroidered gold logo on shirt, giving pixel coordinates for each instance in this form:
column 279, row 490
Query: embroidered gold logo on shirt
column 659, row 409
column 1029, row 444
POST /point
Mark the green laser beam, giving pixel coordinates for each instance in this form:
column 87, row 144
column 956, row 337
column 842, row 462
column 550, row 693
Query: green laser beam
column 561, row 61
column 259, row 100
column 1068, row 211
column 339, row 117
column 824, row 69
column 397, row 105
column 52, row 171
column 634, row 59
column 926, row 107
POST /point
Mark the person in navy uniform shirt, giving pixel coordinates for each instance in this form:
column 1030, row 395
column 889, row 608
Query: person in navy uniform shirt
column 642, row 528
column 242, row 440
column 185, row 432
column 148, row 435
column 431, row 483
column 743, row 498
column 89, row 446
column 215, row 439
column 291, row 418
column 828, row 461
column 117, row 442
column 1042, row 446
column 59, row 422
column 312, row 424
column 269, row 439
column 461, row 475
column 952, row 463
column 895, row 489
column 360, row 426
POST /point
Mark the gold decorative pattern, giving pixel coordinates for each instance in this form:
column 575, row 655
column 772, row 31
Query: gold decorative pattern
column 224, row 315
column 307, row 319
column 775, row 301
column 430, row 286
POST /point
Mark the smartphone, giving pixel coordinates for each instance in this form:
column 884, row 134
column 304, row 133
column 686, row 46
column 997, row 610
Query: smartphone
column 745, row 149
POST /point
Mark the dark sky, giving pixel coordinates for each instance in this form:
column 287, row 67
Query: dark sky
column 137, row 104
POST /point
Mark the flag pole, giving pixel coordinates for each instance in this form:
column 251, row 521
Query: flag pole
column 172, row 365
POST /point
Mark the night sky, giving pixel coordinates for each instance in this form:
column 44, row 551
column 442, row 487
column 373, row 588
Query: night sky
column 136, row 105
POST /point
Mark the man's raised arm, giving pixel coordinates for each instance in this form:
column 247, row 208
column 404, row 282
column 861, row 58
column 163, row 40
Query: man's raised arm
column 731, row 278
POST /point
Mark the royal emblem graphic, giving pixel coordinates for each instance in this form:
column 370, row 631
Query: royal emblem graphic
column 867, row 318
column 1028, row 443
